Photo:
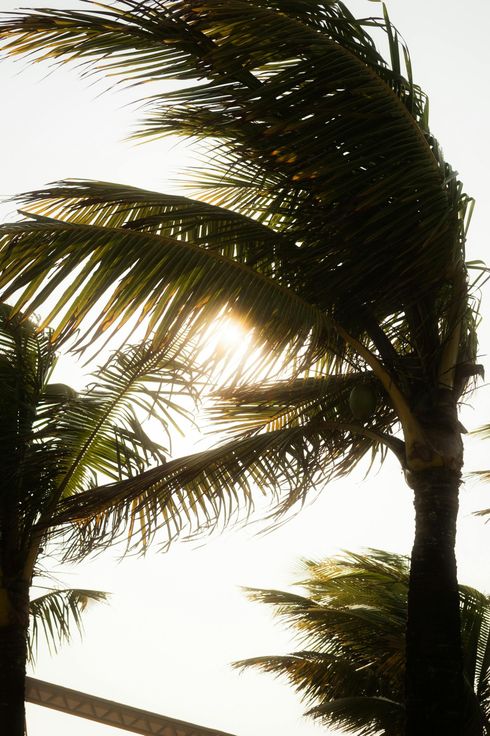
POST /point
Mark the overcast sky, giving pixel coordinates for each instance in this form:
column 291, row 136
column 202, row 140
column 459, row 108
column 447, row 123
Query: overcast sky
column 176, row 621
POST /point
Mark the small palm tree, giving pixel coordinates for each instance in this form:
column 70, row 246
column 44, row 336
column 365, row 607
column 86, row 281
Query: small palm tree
column 333, row 228
column 55, row 443
column 351, row 626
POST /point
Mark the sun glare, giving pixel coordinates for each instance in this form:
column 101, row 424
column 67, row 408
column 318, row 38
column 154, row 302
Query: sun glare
column 229, row 341
column 231, row 334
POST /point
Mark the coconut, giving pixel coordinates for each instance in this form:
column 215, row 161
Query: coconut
column 362, row 402
column 59, row 392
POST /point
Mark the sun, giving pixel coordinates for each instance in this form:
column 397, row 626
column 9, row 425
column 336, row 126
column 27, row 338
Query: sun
column 230, row 333
column 228, row 344
column 230, row 337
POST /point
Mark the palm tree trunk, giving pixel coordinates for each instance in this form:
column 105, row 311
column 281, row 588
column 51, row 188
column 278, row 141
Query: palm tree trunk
column 434, row 663
column 14, row 622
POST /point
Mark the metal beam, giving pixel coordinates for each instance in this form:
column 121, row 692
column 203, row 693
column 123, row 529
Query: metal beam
column 109, row 712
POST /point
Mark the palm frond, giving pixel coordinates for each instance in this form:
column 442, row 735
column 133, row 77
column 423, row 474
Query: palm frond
column 269, row 405
column 57, row 442
column 207, row 490
column 483, row 675
column 107, row 204
column 285, row 439
column 54, row 615
column 367, row 635
column 305, row 126
column 315, row 675
column 366, row 204
column 366, row 716
column 111, row 32
column 475, row 632
column 173, row 284
column 352, row 626
column 27, row 358
column 99, row 433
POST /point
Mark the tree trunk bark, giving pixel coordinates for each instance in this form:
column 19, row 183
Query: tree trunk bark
column 435, row 694
column 14, row 623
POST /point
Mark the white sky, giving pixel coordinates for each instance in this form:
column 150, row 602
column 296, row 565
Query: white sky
column 176, row 621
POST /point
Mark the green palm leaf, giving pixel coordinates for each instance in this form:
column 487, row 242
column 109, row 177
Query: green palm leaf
column 352, row 625
column 106, row 204
column 54, row 615
column 287, row 437
column 270, row 406
column 58, row 443
column 208, row 489
column 174, row 284
column 100, row 429
column 27, row 359
column 366, row 716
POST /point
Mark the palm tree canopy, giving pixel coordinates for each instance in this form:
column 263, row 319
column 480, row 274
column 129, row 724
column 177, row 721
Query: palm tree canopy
column 350, row 625
column 320, row 139
column 58, row 443
column 330, row 224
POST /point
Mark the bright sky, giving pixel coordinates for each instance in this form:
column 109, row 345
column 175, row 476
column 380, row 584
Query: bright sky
column 176, row 621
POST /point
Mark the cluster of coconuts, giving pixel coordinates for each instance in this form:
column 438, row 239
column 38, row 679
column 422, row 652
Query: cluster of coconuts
column 362, row 402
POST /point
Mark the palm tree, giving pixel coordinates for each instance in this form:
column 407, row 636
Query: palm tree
column 55, row 443
column 351, row 624
column 329, row 223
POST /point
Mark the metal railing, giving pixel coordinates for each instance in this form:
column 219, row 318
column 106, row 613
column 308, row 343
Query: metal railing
column 109, row 712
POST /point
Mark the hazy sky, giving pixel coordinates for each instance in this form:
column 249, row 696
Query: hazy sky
column 176, row 621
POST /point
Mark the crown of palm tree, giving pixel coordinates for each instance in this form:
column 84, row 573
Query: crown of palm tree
column 57, row 443
column 331, row 223
column 351, row 626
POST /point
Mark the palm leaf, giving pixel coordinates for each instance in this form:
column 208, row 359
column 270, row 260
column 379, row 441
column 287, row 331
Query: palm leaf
column 352, row 626
column 106, row 204
column 287, row 438
column 368, row 636
column 313, row 674
column 99, row 432
column 54, row 615
column 27, row 358
column 208, row 489
column 57, row 442
column 368, row 204
column 366, row 716
column 174, row 284
column 101, row 429
column 269, row 406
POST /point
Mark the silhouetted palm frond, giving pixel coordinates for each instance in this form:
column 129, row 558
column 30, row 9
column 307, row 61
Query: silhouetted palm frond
column 351, row 625
column 54, row 615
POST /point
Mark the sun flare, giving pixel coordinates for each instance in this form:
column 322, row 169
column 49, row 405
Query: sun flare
column 230, row 333
column 230, row 343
